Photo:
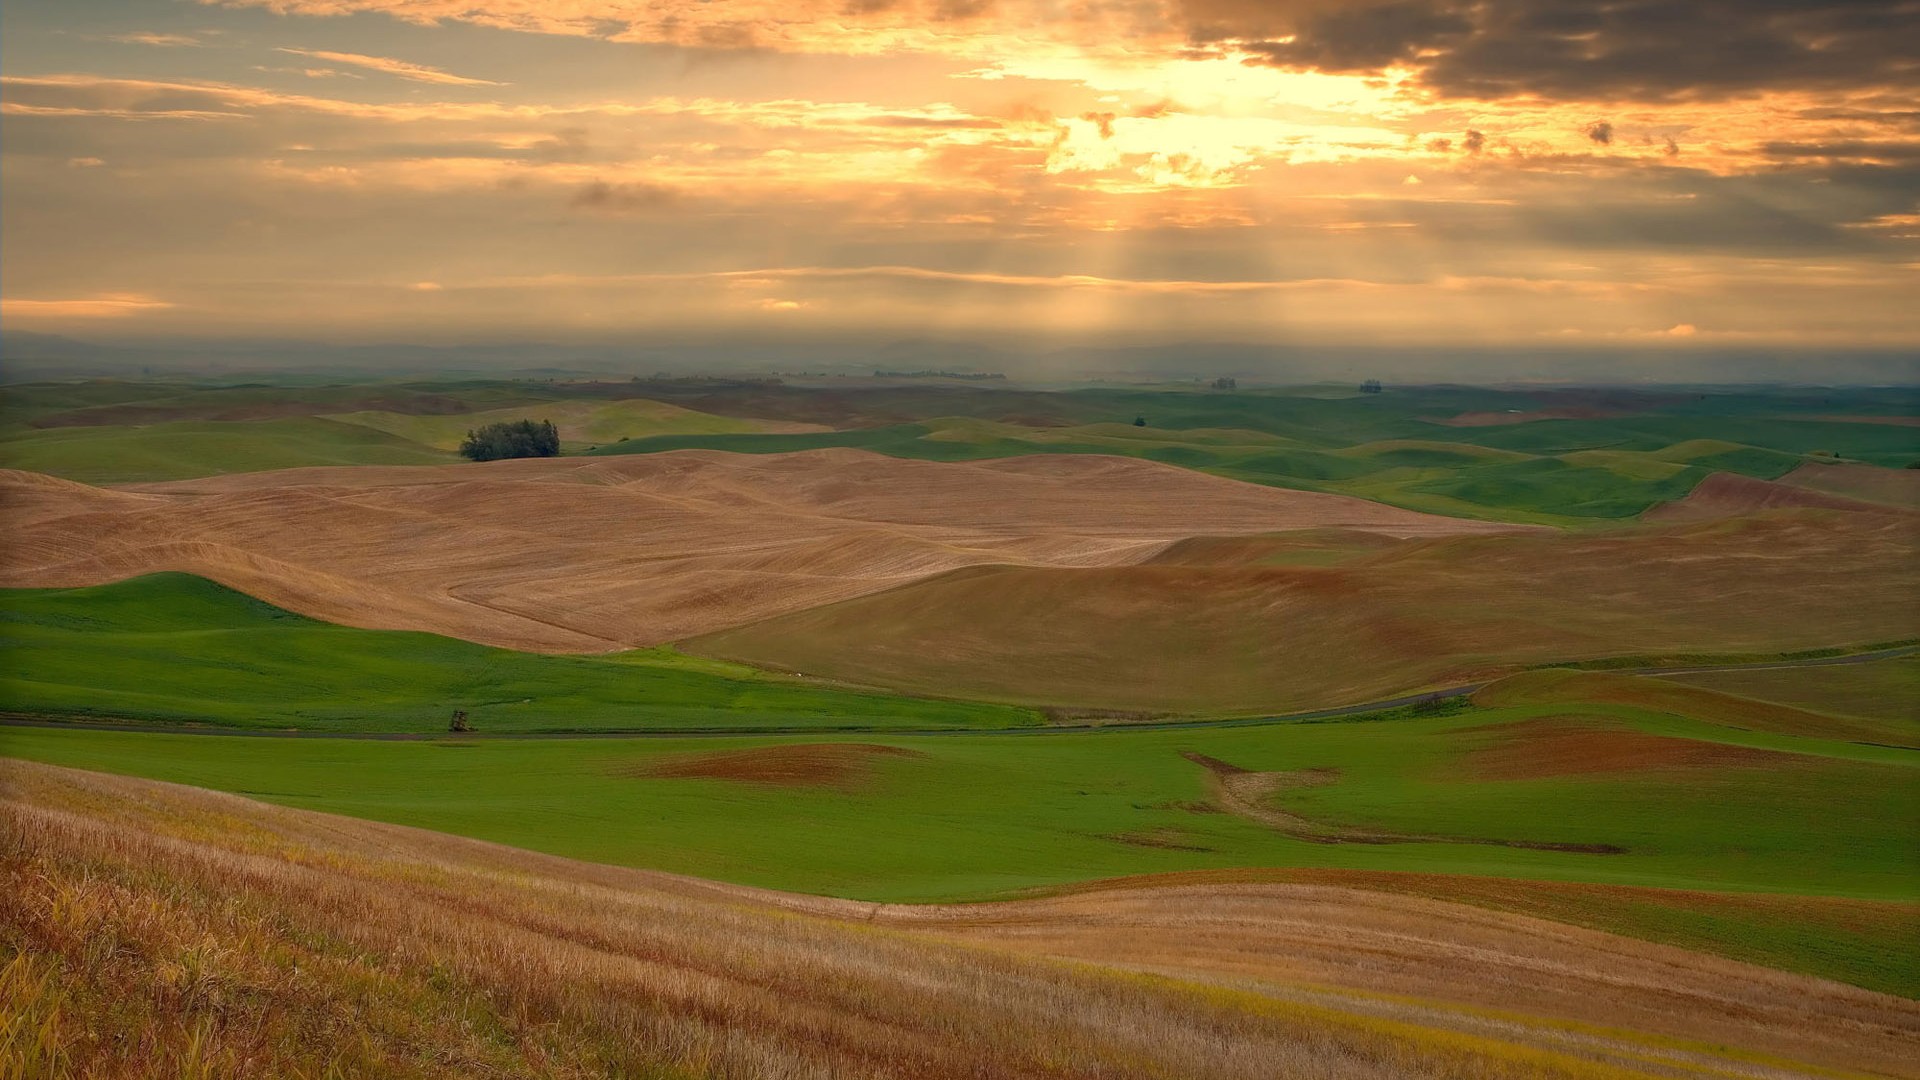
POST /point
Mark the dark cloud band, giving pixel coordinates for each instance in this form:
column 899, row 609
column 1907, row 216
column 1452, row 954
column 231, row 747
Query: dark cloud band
column 1584, row 49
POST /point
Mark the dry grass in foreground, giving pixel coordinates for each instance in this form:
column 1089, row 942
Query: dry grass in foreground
column 151, row 930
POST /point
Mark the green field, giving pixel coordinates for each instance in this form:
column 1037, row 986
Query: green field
column 176, row 433
column 977, row 815
column 185, row 449
column 174, row 647
column 980, row 815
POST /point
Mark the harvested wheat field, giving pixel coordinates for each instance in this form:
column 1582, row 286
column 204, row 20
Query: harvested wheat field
column 1246, row 635
column 571, row 555
column 150, row 930
column 1677, row 698
column 1900, row 487
column 1728, row 495
column 1552, row 746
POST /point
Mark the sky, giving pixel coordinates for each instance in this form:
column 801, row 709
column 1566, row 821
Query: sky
column 1552, row 174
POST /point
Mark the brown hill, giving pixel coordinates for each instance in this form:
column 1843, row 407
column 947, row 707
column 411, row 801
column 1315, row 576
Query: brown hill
column 1237, row 637
column 1572, row 688
column 1725, row 495
column 1900, row 487
column 583, row 555
column 162, row 931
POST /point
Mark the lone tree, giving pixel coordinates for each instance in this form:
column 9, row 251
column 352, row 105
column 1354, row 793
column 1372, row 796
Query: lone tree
column 1139, row 421
column 515, row 439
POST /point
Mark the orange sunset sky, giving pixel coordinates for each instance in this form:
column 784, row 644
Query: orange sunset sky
column 1512, row 172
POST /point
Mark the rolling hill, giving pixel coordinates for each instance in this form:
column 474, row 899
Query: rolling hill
column 595, row 555
column 1249, row 634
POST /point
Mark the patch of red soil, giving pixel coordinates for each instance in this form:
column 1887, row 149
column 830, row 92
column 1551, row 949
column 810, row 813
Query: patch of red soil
column 1213, row 764
column 841, row 766
column 1870, row 482
column 1725, row 495
column 1574, row 746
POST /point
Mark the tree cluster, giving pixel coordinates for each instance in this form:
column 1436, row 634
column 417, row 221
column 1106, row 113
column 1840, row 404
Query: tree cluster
column 514, row 439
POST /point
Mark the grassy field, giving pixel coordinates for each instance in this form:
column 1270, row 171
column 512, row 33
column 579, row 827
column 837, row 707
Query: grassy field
column 174, row 647
column 112, row 432
column 1600, row 793
column 154, row 931
column 184, row 449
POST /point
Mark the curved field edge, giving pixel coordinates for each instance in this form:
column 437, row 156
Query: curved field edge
column 1869, row 943
column 153, row 930
column 181, row 649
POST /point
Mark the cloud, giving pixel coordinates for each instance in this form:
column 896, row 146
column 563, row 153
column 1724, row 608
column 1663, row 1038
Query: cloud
column 1846, row 150
column 107, row 306
column 387, row 65
column 97, row 95
column 1582, row 49
column 1081, row 163
column 164, row 41
column 831, row 27
column 625, row 197
column 1356, row 37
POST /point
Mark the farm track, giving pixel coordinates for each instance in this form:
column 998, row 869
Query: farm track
column 1329, row 714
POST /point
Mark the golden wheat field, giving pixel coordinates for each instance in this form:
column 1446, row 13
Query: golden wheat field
column 1245, row 625
column 572, row 555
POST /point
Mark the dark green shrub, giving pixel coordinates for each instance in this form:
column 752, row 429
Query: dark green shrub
column 515, row 439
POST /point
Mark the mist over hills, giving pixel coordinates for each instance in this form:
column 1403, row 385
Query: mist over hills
column 31, row 357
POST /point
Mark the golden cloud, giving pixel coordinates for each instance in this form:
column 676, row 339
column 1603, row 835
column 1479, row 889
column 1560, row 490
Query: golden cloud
column 107, row 306
column 389, row 66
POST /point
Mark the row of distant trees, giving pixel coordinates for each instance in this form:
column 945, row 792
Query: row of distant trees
column 512, row 439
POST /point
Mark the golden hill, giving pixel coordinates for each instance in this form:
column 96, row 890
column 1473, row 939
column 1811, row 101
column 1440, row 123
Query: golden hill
column 591, row 555
column 1252, row 632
